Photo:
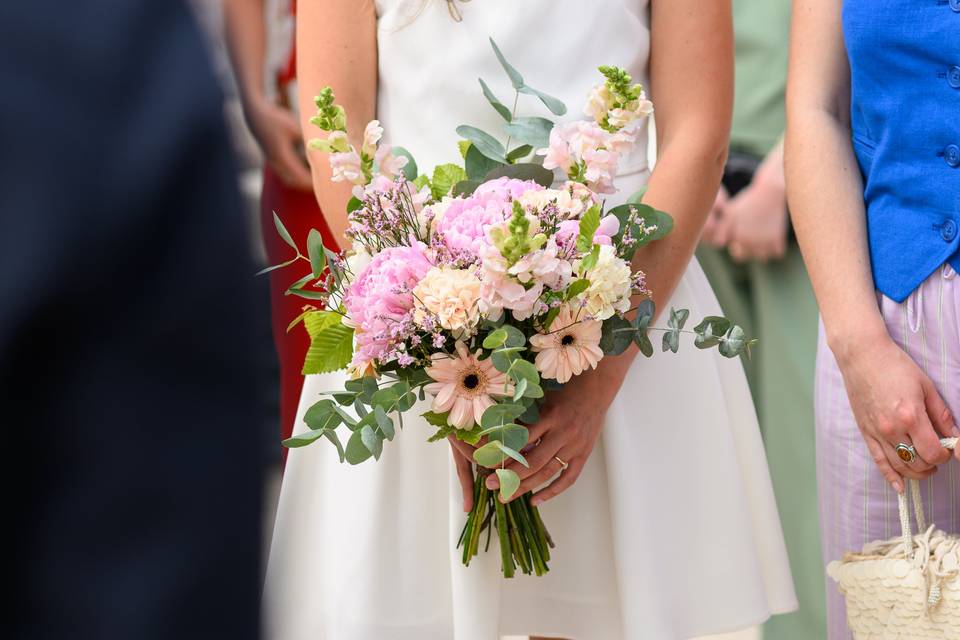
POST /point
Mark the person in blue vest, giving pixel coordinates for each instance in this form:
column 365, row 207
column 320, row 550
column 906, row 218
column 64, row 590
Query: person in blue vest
column 873, row 171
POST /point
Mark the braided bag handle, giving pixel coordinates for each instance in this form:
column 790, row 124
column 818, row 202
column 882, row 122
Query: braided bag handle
column 904, row 500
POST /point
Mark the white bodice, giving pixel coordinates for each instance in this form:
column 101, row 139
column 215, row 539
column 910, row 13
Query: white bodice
column 429, row 64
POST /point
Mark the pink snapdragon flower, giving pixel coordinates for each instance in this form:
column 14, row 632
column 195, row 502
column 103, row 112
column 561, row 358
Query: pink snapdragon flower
column 609, row 227
column 381, row 298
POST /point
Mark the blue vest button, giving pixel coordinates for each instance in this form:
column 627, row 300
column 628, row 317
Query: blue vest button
column 948, row 231
column 953, row 77
column 952, row 153
column 955, row 5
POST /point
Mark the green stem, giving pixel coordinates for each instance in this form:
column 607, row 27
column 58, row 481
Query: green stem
column 506, row 553
column 519, row 551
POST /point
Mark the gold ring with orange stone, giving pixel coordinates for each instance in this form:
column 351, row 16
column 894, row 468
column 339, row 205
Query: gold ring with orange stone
column 906, row 452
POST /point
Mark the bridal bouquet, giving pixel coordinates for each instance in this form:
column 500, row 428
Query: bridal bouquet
column 483, row 286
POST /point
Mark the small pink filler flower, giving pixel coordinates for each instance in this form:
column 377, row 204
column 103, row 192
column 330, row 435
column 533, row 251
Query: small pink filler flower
column 465, row 386
column 571, row 347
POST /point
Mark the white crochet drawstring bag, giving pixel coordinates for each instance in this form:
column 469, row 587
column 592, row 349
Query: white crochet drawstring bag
column 906, row 587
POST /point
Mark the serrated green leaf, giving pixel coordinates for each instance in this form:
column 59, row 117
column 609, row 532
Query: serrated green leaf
column 356, row 451
column 318, row 260
column 463, row 146
column 577, row 287
column 444, row 177
column 435, row 419
column 353, row 204
column 331, row 345
column 494, row 102
column 409, row 169
column 509, row 483
column 483, row 142
column 532, row 131
column 515, row 78
column 589, row 224
column 589, row 261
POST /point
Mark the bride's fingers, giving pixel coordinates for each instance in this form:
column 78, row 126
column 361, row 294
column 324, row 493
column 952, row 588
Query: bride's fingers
column 538, row 479
column 465, row 474
column 561, row 484
column 538, row 458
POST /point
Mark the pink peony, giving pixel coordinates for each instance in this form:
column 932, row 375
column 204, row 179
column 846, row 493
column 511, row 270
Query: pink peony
column 380, row 298
column 462, row 222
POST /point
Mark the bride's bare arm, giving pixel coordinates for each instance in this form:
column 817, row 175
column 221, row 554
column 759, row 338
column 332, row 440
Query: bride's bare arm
column 336, row 46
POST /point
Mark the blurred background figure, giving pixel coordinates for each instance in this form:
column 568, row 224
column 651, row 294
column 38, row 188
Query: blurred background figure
column 260, row 35
column 125, row 337
column 752, row 260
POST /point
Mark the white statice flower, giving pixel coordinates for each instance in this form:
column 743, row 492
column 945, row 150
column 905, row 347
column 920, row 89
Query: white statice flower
column 451, row 296
column 610, row 285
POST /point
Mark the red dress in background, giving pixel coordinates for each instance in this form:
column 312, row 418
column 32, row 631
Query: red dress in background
column 299, row 212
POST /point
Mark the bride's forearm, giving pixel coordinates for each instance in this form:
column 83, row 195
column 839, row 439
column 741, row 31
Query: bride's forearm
column 336, row 47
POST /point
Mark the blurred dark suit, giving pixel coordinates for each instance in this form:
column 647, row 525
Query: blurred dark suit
column 125, row 377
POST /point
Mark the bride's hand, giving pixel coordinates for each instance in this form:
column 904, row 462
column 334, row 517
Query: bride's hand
column 570, row 424
column 894, row 402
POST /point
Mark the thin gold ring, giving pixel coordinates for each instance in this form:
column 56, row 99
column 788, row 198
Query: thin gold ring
column 562, row 463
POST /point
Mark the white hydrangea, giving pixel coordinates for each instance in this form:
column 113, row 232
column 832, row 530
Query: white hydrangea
column 609, row 290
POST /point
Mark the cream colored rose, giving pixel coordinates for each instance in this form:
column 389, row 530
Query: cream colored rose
column 451, row 296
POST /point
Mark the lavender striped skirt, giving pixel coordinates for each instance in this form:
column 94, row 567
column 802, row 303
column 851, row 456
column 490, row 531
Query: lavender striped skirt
column 856, row 504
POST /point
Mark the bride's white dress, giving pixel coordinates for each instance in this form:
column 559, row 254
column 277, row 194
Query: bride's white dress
column 671, row 531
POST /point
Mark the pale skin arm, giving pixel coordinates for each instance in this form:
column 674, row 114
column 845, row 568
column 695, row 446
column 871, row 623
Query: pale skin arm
column 892, row 400
column 276, row 129
column 336, row 46
column 693, row 126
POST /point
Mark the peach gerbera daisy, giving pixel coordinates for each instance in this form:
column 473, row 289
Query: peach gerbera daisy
column 465, row 386
column 571, row 347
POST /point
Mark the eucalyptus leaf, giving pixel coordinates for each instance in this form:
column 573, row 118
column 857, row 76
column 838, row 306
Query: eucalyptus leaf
column 494, row 102
column 515, row 78
column 520, row 389
column 519, row 152
column 356, row 451
column 409, row 169
column 643, row 342
column 500, row 414
column 372, row 441
column 384, row 422
column 513, row 453
column 335, row 441
column 318, row 259
column 524, row 370
column 532, row 413
column 514, row 436
column 523, row 171
column 479, row 165
column 678, row 318
column 734, row 343
column 302, row 439
column 465, row 188
column 282, row 230
column 509, row 483
column 515, row 337
column 671, row 341
column 617, row 333
column 306, row 293
column 277, row 266
column 322, row 415
column 556, row 106
column 489, row 455
column 483, row 142
column 533, row 131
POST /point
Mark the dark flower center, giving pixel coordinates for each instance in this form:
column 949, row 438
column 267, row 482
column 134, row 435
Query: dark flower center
column 567, row 340
column 471, row 381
